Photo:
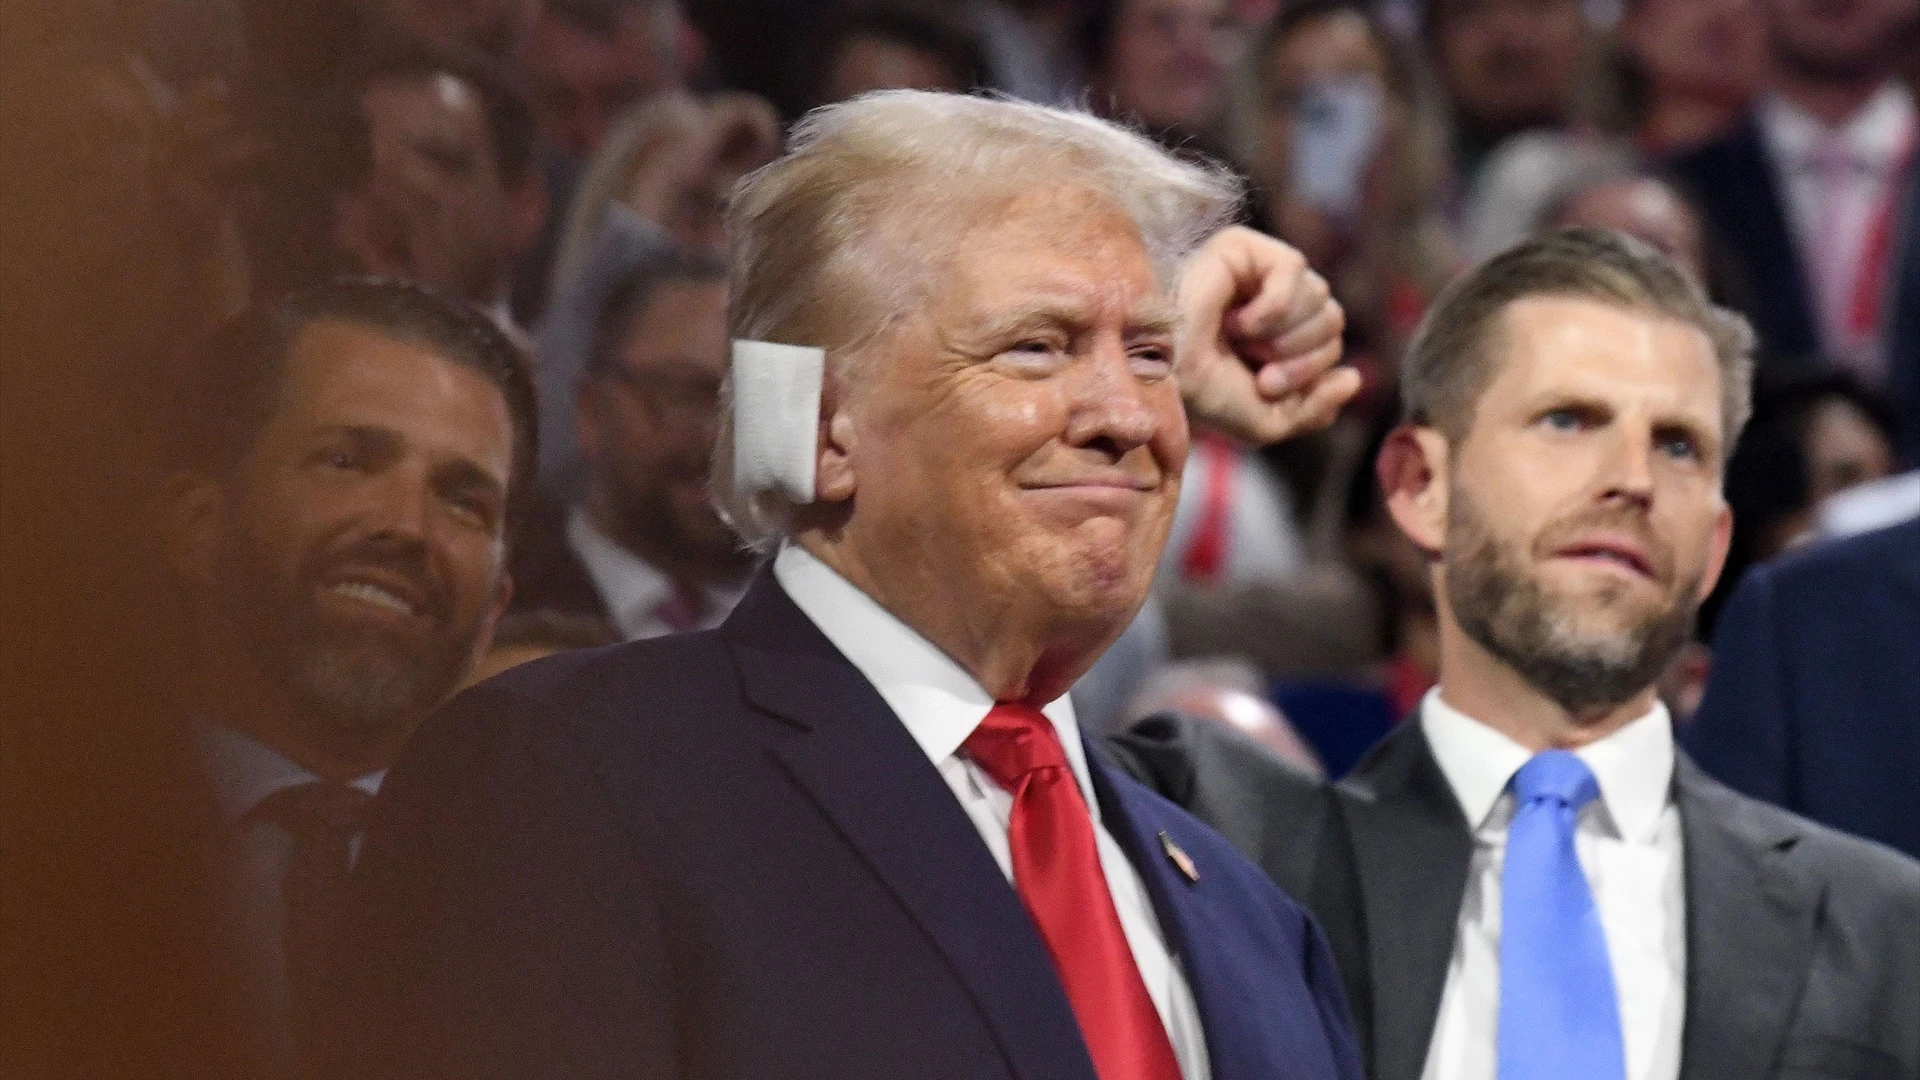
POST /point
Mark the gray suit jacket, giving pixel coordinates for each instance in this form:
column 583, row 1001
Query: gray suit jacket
column 1803, row 944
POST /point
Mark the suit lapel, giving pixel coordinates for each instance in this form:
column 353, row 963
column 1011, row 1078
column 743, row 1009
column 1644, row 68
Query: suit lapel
column 1245, row 1040
column 1411, row 850
column 871, row 780
column 1749, row 932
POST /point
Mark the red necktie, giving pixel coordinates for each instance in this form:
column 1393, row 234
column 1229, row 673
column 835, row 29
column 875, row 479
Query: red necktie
column 1056, row 869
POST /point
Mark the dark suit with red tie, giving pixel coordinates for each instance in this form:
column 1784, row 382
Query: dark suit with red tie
column 721, row 855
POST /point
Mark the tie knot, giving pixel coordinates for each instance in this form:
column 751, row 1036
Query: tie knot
column 1559, row 775
column 318, row 808
column 1014, row 740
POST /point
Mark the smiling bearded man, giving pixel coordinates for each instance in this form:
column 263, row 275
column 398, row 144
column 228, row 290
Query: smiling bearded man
column 339, row 533
column 855, row 832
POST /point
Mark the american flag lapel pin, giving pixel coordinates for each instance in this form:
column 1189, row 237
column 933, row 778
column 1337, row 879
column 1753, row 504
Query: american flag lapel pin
column 1180, row 859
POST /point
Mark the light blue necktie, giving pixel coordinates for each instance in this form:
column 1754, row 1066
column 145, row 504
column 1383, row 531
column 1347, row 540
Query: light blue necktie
column 1559, row 1018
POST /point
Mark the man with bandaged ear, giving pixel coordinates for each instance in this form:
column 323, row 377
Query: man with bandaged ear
column 855, row 831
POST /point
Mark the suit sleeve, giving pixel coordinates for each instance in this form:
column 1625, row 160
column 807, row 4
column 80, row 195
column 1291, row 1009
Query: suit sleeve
column 1743, row 732
column 505, row 928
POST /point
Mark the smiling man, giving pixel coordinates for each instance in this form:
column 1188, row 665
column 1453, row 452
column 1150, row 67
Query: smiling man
column 854, row 832
column 1527, row 880
column 339, row 532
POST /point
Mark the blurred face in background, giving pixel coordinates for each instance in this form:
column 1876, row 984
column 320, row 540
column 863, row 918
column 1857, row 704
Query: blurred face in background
column 866, row 62
column 439, row 208
column 1712, row 50
column 1509, row 64
column 1324, row 117
column 356, row 555
column 1844, row 447
column 1645, row 209
column 1168, row 60
column 1836, row 40
column 646, row 418
column 583, row 78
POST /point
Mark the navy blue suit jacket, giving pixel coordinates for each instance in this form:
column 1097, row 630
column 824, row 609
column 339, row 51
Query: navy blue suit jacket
column 720, row 855
column 1814, row 700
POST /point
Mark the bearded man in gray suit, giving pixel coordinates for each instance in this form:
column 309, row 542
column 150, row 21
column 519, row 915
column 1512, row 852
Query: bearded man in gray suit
column 1527, row 879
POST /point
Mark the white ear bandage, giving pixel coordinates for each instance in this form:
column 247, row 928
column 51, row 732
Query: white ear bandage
column 776, row 417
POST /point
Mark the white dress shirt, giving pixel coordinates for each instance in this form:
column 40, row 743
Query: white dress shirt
column 634, row 588
column 940, row 705
column 1628, row 842
column 1836, row 182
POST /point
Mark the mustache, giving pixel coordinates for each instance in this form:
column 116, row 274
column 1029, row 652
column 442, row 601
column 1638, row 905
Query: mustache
column 1623, row 520
column 407, row 560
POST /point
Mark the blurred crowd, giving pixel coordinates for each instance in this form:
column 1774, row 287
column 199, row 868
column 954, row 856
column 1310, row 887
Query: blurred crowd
column 538, row 187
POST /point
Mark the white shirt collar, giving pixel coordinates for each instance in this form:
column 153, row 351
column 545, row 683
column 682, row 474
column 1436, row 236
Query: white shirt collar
column 1876, row 133
column 632, row 587
column 1634, row 765
column 937, row 700
column 245, row 770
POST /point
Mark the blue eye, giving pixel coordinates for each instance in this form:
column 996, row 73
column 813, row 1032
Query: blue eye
column 1679, row 447
column 1562, row 420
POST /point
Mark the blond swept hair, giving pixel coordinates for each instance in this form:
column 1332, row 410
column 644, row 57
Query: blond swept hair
column 846, row 233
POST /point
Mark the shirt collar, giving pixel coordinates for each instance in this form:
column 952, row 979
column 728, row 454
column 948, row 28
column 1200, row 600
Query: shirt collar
column 632, row 587
column 1633, row 766
column 935, row 698
column 245, row 771
column 1876, row 133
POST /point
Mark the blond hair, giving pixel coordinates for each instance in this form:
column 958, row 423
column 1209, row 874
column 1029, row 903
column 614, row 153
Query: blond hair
column 844, row 234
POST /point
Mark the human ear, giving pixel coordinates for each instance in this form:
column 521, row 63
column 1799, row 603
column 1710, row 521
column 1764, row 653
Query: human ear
column 833, row 471
column 1717, row 558
column 1412, row 469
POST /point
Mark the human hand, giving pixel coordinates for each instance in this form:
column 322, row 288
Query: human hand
column 1260, row 340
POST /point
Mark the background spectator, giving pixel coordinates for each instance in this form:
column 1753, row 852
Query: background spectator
column 453, row 198
column 338, row 532
column 1644, row 207
column 1687, row 69
column 1349, row 164
column 642, row 547
column 1506, row 66
column 592, row 60
column 1163, row 64
column 893, row 46
column 1805, row 194
column 658, row 183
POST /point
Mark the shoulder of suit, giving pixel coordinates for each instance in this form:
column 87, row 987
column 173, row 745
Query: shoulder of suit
column 1861, row 874
column 1215, row 857
column 593, row 700
column 1185, row 757
column 1864, row 559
